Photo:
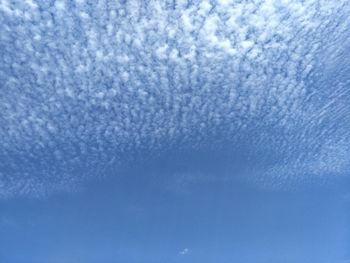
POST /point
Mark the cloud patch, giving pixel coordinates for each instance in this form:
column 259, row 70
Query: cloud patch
column 86, row 86
column 183, row 252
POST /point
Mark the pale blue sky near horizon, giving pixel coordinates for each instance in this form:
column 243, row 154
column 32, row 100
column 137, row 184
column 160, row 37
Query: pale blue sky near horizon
column 124, row 221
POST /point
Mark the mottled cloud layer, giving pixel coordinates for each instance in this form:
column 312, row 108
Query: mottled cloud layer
column 86, row 85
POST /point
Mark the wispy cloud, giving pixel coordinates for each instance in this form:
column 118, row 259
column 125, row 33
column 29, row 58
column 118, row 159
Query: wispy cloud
column 88, row 88
column 6, row 222
column 185, row 251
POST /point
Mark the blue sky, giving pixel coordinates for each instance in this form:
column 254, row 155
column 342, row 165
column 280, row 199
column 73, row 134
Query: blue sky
column 124, row 221
column 174, row 131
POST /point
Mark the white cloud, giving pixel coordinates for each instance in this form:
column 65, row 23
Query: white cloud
column 83, row 86
column 185, row 251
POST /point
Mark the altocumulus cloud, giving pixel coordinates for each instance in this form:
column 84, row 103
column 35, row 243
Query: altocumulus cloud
column 88, row 84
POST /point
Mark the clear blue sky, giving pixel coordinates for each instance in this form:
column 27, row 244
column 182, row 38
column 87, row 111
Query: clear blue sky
column 137, row 220
column 175, row 131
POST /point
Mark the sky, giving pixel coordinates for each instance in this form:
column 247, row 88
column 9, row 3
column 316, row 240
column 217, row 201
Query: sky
column 175, row 131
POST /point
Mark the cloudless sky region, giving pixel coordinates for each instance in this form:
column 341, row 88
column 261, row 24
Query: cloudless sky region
column 174, row 131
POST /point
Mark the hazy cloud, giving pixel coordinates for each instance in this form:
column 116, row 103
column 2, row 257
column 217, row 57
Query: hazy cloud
column 185, row 251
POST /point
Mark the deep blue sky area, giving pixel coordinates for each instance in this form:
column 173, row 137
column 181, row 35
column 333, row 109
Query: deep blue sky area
column 170, row 131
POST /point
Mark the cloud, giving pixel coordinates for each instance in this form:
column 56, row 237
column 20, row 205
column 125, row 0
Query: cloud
column 90, row 87
column 185, row 251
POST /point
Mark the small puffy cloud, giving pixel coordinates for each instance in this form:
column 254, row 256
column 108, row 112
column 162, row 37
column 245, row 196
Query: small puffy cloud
column 185, row 251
